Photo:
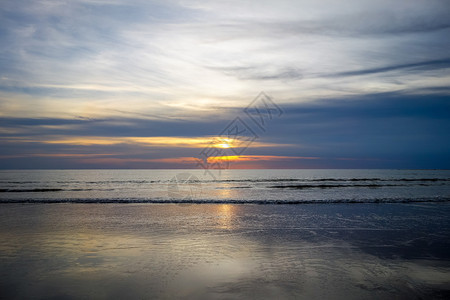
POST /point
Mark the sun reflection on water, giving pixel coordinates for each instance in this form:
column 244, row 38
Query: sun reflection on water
column 226, row 216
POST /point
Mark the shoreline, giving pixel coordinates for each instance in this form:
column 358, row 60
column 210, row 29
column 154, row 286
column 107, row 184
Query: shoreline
column 217, row 251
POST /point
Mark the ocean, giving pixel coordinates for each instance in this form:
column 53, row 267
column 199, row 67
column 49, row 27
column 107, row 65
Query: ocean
column 225, row 186
column 187, row 234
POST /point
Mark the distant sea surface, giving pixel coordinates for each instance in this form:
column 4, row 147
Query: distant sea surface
column 224, row 186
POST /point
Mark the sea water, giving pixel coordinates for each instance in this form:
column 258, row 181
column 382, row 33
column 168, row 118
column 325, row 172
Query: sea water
column 225, row 186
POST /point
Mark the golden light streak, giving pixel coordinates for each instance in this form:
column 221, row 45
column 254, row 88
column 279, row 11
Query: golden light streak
column 226, row 215
column 258, row 158
column 193, row 161
column 153, row 141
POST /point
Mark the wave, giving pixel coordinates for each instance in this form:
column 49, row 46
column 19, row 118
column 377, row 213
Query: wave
column 335, row 180
column 81, row 181
column 39, row 190
column 29, row 190
column 328, row 186
column 319, row 185
column 242, row 180
column 227, row 201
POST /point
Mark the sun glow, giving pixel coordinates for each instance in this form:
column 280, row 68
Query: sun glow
column 224, row 143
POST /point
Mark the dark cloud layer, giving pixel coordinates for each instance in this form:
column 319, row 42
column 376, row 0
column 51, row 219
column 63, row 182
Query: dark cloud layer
column 389, row 130
column 412, row 67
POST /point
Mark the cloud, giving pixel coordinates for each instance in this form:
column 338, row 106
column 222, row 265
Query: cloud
column 391, row 130
column 354, row 78
column 412, row 67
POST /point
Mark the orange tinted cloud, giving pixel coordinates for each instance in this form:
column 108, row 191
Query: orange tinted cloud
column 194, row 162
column 153, row 141
column 259, row 158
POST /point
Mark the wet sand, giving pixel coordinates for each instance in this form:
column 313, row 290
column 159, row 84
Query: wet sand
column 224, row 251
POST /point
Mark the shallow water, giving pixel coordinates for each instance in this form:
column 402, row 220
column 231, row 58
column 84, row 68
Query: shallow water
column 224, row 186
column 223, row 251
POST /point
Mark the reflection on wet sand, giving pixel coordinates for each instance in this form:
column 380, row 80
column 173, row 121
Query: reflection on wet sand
column 225, row 213
column 225, row 251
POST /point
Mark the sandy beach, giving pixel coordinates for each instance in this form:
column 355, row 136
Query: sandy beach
column 223, row 251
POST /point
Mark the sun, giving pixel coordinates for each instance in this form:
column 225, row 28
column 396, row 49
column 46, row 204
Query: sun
column 224, row 143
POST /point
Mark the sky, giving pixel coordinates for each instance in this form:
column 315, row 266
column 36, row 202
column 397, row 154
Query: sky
column 157, row 84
